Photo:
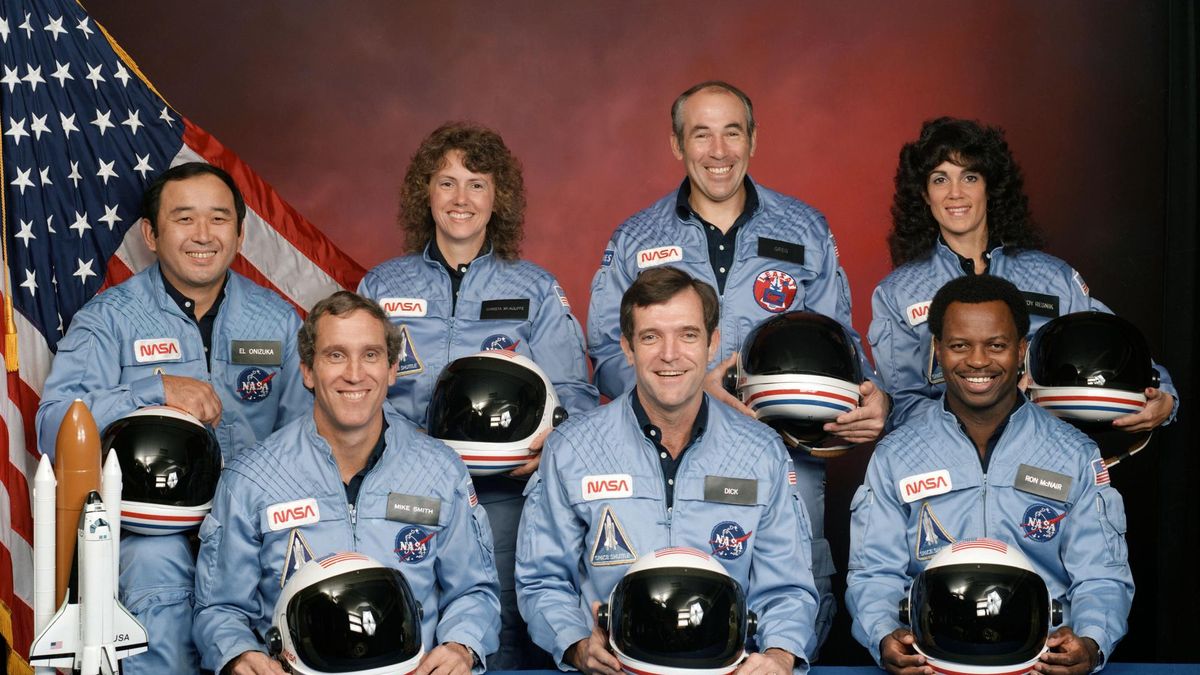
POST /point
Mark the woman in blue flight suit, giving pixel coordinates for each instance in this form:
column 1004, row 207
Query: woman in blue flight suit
column 960, row 208
column 462, row 289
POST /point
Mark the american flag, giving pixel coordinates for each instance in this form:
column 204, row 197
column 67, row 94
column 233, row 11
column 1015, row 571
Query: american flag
column 1100, row 468
column 83, row 134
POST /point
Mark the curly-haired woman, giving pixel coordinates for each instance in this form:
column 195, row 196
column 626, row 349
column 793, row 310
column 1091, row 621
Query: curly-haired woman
column 960, row 208
column 462, row 208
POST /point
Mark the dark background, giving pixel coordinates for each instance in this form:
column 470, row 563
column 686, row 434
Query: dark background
column 327, row 100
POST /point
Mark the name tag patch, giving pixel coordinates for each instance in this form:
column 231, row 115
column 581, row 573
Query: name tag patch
column 413, row 509
column 293, row 514
column 725, row 490
column 1041, row 304
column 607, row 486
column 256, row 352
column 154, row 350
column 404, row 307
column 513, row 308
column 917, row 313
column 925, row 485
column 780, row 250
column 1043, row 483
column 652, row 257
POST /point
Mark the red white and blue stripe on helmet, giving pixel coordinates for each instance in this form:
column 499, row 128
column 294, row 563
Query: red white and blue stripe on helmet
column 140, row 522
column 485, row 464
column 1065, row 405
column 808, row 397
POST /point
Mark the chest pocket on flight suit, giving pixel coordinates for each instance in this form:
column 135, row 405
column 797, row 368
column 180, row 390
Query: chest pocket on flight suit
column 724, row 529
column 413, row 542
column 939, row 516
column 279, row 548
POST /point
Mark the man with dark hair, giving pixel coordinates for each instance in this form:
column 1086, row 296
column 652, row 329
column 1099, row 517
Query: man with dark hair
column 664, row 465
column 764, row 252
column 988, row 463
column 189, row 333
column 366, row 480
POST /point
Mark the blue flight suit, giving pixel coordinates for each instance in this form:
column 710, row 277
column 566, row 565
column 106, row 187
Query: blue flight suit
column 899, row 333
column 1073, row 533
column 786, row 260
column 251, row 537
column 578, row 537
column 501, row 304
column 101, row 361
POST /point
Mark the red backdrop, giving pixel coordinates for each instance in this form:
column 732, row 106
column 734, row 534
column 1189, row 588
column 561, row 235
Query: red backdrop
column 327, row 100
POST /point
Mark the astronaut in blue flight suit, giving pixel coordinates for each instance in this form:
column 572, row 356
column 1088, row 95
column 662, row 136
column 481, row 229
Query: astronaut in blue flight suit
column 189, row 333
column 665, row 465
column 986, row 462
column 357, row 477
column 764, row 252
column 960, row 209
column 461, row 290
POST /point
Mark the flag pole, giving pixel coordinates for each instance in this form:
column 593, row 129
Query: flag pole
column 10, row 326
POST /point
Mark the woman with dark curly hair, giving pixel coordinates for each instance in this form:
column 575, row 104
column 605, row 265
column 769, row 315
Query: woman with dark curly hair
column 960, row 208
column 462, row 289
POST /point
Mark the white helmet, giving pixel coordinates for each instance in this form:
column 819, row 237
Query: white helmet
column 1090, row 368
column 346, row 613
column 170, row 464
column 678, row 612
column 489, row 407
column 798, row 371
column 980, row 608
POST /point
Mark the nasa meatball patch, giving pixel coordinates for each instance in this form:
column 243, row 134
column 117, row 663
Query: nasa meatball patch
column 1041, row 522
column 728, row 540
column 412, row 544
column 254, row 384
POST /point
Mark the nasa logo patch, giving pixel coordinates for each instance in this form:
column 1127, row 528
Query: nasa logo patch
column 774, row 290
column 254, row 384
column 412, row 544
column 498, row 342
column 1041, row 522
column 728, row 540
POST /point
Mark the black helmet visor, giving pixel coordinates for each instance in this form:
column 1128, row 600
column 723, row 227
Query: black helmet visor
column 980, row 615
column 1091, row 349
column 802, row 342
column 164, row 460
column 679, row 617
column 486, row 400
column 355, row 621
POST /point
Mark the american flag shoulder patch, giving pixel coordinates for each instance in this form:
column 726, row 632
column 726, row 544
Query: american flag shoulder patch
column 472, row 498
column 1101, row 470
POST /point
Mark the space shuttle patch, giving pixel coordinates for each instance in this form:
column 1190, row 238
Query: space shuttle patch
column 298, row 553
column 611, row 547
column 931, row 536
column 408, row 363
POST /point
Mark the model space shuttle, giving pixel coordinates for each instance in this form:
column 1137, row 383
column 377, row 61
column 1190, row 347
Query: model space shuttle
column 76, row 542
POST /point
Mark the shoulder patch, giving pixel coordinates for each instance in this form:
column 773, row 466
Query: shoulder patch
column 1080, row 282
column 611, row 546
